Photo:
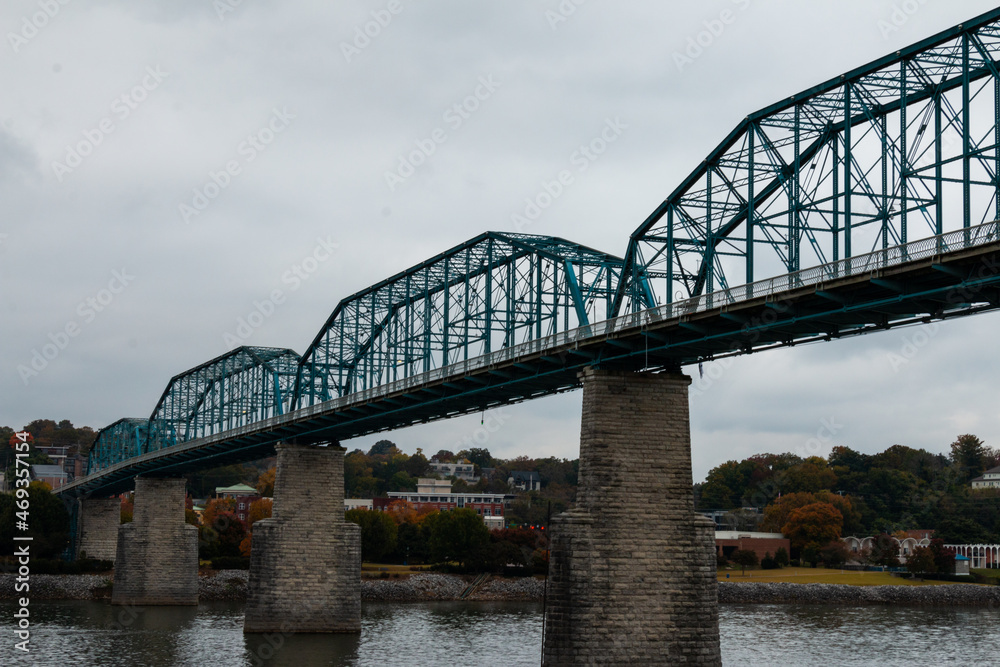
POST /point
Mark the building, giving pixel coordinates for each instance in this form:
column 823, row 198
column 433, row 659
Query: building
column 242, row 494
column 913, row 539
column 464, row 471
column 52, row 475
column 358, row 504
column 728, row 541
column 979, row 555
column 436, row 494
column 524, row 480
column 989, row 480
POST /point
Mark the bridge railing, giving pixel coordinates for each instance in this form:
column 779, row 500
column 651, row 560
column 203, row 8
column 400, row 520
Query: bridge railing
column 854, row 266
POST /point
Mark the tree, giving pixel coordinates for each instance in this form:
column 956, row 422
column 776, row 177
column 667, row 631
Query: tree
column 971, row 455
column 480, row 457
column 382, row 448
column 813, row 525
column 47, row 520
column 884, row 551
column 259, row 509
column 781, row 557
column 834, row 554
column 265, row 483
column 921, row 561
column 811, row 475
column 127, row 508
column 457, row 535
column 944, row 558
column 744, row 558
column 378, row 533
column 444, row 456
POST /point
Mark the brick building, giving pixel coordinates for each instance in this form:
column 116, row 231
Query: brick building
column 728, row 541
column 242, row 494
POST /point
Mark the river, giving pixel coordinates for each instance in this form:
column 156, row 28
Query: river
column 85, row 633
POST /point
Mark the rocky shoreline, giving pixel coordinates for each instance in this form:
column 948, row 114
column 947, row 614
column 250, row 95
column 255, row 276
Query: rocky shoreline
column 426, row 586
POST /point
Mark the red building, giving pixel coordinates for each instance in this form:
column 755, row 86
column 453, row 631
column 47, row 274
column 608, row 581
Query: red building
column 728, row 541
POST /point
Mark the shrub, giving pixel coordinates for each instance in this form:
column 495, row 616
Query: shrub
column 768, row 562
column 781, row 557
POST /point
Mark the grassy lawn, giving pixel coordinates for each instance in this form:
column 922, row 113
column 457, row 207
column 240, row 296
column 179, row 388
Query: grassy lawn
column 808, row 575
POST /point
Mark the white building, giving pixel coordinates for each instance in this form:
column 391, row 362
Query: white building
column 989, row 480
column 358, row 504
column 465, row 470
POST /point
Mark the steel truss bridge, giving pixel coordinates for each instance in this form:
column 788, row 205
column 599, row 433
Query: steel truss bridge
column 872, row 199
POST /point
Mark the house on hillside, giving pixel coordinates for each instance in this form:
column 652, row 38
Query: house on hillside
column 463, row 470
column 436, row 494
column 989, row 479
column 524, row 480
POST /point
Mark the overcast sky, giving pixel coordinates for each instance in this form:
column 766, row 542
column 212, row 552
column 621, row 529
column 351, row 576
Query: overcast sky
column 174, row 163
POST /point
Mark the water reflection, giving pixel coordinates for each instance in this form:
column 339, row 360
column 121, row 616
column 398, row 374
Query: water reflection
column 81, row 634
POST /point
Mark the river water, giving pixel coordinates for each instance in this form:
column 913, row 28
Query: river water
column 82, row 634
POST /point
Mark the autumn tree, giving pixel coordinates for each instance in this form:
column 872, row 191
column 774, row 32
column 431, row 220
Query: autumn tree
column 834, row 554
column 265, row 483
column 813, row 525
column 921, row 561
column 884, row 551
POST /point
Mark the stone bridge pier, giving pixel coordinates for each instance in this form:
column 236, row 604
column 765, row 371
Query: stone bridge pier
column 632, row 577
column 305, row 561
column 98, row 520
column 157, row 556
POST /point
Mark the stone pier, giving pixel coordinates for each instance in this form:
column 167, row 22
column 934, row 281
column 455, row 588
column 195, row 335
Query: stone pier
column 157, row 561
column 632, row 576
column 97, row 528
column 305, row 561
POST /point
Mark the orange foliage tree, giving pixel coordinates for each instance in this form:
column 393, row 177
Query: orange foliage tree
column 814, row 525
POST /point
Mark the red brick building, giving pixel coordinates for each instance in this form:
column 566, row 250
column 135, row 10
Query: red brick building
column 728, row 541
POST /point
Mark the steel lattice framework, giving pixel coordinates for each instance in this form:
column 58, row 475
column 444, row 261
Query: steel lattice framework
column 128, row 438
column 238, row 388
column 492, row 292
column 903, row 148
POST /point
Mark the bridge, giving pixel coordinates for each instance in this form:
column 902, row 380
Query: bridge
column 870, row 201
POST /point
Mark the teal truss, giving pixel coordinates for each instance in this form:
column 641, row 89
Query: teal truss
column 494, row 291
column 128, row 438
column 901, row 149
column 238, row 388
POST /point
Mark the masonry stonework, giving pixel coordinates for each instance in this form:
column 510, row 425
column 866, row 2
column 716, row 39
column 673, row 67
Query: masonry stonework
column 97, row 530
column 632, row 575
column 305, row 561
column 157, row 560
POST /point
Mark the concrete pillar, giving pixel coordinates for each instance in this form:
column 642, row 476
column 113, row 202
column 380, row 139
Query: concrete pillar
column 157, row 561
column 97, row 528
column 305, row 561
column 632, row 572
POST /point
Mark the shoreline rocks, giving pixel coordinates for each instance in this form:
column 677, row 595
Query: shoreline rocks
column 426, row 586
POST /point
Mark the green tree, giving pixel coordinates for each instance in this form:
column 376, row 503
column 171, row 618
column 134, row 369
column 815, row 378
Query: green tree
column 884, row 551
column 457, row 535
column 378, row 533
column 971, row 455
column 781, row 557
column 382, row 448
column 744, row 558
column 47, row 520
column 480, row 457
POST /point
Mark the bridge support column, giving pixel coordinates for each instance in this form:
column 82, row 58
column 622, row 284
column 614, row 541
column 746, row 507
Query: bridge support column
column 305, row 561
column 97, row 528
column 157, row 562
column 632, row 575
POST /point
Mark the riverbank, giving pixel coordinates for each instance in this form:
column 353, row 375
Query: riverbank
column 427, row 586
